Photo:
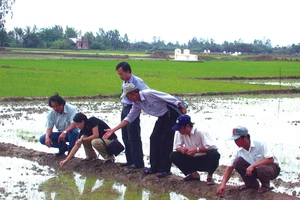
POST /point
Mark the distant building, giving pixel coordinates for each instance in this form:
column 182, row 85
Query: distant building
column 236, row 54
column 185, row 56
column 80, row 43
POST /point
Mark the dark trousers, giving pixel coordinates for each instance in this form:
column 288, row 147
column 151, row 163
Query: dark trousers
column 131, row 135
column 264, row 173
column 188, row 164
column 71, row 137
column 161, row 142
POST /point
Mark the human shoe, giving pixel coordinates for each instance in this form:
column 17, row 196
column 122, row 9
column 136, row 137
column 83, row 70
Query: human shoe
column 190, row 178
column 125, row 164
column 163, row 174
column 61, row 151
column 109, row 161
column 210, row 181
column 246, row 187
column 89, row 159
column 133, row 166
column 263, row 189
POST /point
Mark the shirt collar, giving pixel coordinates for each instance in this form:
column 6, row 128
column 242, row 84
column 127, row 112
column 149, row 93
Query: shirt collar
column 65, row 109
column 141, row 96
column 130, row 80
column 252, row 145
column 193, row 130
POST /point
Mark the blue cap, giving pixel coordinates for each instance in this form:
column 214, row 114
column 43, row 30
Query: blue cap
column 181, row 121
column 238, row 132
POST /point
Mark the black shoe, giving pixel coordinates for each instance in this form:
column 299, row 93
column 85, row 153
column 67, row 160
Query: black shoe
column 125, row 164
column 109, row 161
column 61, row 151
column 133, row 166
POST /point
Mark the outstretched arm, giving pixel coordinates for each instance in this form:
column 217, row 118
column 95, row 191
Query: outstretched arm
column 72, row 152
column 227, row 174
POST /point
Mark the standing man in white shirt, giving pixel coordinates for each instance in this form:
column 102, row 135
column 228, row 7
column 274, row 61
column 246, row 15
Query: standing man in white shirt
column 195, row 150
column 61, row 116
column 252, row 160
column 131, row 134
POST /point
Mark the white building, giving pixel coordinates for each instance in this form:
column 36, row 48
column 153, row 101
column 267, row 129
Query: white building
column 185, row 56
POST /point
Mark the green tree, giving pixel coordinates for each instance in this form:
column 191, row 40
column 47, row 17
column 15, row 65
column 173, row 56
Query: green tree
column 125, row 42
column 31, row 38
column 61, row 44
column 70, row 33
column 49, row 35
column 5, row 8
column 18, row 36
column 3, row 38
column 90, row 37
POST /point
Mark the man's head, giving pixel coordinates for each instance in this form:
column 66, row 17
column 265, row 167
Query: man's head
column 129, row 90
column 124, row 71
column 57, row 103
column 183, row 124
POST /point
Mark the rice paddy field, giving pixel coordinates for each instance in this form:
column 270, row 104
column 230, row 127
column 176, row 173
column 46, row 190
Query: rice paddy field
column 22, row 77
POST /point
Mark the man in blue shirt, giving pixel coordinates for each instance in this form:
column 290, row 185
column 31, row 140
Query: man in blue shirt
column 131, row 134
column 61, row 116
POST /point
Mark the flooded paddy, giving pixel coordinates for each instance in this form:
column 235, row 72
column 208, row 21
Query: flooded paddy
column 273, row 119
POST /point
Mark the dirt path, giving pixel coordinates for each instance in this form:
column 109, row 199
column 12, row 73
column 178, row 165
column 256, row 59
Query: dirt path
column 130, row 176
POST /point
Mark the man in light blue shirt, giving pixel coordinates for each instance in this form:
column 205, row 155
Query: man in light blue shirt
column 131, row 134
column 61, row 116
column 154, row 103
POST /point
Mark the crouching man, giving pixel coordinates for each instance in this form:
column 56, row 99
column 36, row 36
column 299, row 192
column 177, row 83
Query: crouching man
column 194, row 151
column 253, row 160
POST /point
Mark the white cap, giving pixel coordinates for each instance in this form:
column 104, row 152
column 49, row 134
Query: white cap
column 128, row 87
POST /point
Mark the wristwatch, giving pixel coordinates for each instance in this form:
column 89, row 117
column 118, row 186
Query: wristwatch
column 198, row 149
column 64, row 131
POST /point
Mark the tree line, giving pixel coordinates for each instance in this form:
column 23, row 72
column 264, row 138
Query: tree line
column 57, row 38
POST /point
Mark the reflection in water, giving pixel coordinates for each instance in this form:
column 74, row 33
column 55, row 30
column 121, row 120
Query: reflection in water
column 70, row 186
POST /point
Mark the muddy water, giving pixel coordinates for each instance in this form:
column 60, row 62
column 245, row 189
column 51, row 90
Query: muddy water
column 273, row 119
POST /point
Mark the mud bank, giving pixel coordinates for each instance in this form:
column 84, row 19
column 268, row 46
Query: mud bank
column 136, row 177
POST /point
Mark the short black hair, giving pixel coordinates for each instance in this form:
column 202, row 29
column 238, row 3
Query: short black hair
column 79, row 117
column 56, row 98
column 125, row 66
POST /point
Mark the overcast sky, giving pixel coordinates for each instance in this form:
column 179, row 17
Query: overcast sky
column 170, row 20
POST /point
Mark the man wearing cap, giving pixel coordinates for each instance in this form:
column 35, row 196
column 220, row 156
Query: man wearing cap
column 154, row 103
column 131, row 134
column 253, row 160
column 195, row 151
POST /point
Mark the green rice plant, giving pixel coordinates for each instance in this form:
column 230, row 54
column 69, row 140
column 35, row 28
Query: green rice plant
column 43, row 77
column 27, row 136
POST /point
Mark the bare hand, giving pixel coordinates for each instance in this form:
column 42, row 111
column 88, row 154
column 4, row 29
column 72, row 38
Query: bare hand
column 249, row 170
column 62, row 137
column 108, row 133
column 191, row 152
column 221, row 191
column 62, row 163
column 183, row 150
column 48, row 142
